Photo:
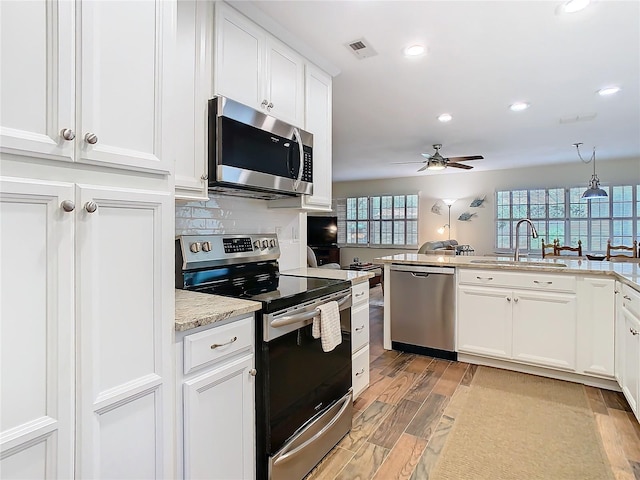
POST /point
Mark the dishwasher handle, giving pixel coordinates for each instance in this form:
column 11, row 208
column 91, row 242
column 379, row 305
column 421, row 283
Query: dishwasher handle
column 421, row 269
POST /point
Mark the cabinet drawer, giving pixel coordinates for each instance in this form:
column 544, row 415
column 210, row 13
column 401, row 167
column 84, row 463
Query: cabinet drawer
column 631, row 299
column 539, row 281
column 217, row 343
column 360, row 293
column 359, row 326
column 360, row 371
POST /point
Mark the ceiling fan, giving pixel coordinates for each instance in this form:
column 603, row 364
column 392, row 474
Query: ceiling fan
column 435, row 161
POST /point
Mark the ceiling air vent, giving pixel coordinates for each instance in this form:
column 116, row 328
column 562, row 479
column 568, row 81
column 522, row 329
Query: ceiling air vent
column 585, row 117
column 361, row 49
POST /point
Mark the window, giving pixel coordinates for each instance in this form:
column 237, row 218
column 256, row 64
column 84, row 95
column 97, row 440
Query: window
column 563, row 214
column 380, row 220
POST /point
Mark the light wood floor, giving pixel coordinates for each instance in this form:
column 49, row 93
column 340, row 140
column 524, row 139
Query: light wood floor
column 402, row 420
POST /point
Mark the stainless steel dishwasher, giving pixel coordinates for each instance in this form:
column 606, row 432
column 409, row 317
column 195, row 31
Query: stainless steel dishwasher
column 423, row 310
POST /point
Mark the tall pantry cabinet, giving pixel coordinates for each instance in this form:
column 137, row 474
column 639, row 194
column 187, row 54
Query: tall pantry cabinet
column 86, row 240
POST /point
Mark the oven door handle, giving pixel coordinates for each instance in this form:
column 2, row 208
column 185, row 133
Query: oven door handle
column 328, row 426
column 301, row 317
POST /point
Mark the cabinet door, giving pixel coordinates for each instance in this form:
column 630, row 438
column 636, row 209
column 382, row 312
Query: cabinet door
column 484, row 321
column 219, row 423
column 596, row 311
column 284, row 82
column 124, row 47
column 36, row 330
column 631, row 360
column 239, row 60
column 37, row 41
column 125, row 319
column 619, row 334
column 544, row 329
column 193, row 78
column 318, row 122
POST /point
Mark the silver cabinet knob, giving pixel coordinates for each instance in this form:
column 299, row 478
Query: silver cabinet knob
column 264, row 103
column 515, row 299
column 91, row 207
column 194, row 247
column 508, row 299
column 91, row 138
column 270, row 106
column 67, row 134
column 633, row 332
column 68, row 205
column 206, row 246
column 253, row 372
column 204, row 177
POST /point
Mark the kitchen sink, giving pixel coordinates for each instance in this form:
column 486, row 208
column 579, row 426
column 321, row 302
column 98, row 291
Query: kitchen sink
column 519, row 263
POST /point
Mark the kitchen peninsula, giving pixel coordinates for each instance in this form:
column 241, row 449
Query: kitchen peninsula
column 575, row 320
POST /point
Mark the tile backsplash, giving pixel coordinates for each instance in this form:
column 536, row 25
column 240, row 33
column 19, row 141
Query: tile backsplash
column 225, row 214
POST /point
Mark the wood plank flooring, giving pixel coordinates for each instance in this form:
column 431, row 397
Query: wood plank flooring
column 401, row 422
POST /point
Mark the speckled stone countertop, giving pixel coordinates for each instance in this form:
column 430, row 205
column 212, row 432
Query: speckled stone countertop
column 354, row 276
column 195, row 309
column 628, row 273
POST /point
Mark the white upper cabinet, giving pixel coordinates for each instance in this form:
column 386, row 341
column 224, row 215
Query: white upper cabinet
column 254, row 68
column 92, row 84
column 194, row 87
column 37, row 39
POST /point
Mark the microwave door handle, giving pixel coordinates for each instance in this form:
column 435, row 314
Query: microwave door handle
column 296, row 183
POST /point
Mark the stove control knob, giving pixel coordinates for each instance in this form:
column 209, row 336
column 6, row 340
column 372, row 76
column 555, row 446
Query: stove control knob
column 194, row 247
column 265, row 244
column 272, row 243
column 256, row 244
column 206, row 246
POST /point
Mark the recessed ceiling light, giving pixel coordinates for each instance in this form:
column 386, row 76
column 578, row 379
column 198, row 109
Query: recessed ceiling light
column 573, row 6
column 519, row 106
column 608, row 91
column 445, row 117
column 414, row 50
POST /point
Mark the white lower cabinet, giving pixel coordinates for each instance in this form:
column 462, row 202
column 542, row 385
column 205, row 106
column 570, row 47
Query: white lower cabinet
column 628, row 347
column 532, row 325
column 216, row 390
column 360, row 337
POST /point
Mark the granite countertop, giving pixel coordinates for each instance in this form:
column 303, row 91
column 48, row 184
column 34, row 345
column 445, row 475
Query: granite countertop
column 195, row 309
column 628, row 273
column 354, row 276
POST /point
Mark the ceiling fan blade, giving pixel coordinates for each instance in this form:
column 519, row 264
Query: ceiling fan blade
column 459, row 165
column 423, row 168
column 406, row 163
column 464, row 159
column 426, row 155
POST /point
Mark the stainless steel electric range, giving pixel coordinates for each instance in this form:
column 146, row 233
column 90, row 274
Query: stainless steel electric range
column 303, row 394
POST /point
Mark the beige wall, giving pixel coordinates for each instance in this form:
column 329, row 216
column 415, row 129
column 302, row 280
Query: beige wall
column 465, row 186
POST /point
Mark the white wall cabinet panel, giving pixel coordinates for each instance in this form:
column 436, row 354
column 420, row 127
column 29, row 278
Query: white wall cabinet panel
column 193, row 88
column 484, row 321
column 121, row 83
column 121, row 281
column 254, row 68
column 36, row 330
column 544, row 329
column 631, row 360
column 37, row 40
column 596, row 326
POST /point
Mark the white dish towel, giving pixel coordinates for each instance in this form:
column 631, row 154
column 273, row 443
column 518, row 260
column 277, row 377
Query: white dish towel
column 326, row 326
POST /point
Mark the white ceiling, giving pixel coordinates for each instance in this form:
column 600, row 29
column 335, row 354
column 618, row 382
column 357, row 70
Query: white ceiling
column 482, row 56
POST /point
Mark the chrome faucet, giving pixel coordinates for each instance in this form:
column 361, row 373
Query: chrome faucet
column 534, row 234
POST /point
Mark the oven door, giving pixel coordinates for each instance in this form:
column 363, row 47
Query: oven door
column 299, row 380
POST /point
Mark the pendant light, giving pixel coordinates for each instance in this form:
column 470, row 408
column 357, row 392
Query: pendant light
column 594, row 190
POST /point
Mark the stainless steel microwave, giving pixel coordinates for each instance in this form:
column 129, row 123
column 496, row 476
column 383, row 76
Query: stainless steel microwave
column 252, row 154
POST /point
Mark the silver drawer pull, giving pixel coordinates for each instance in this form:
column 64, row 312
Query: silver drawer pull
column 484, row 278
column 360, row 373
column 626, row 297
column 216, row 345
column 359, row 328
column 633, row 332
column 542, row 283
column 359, row 294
